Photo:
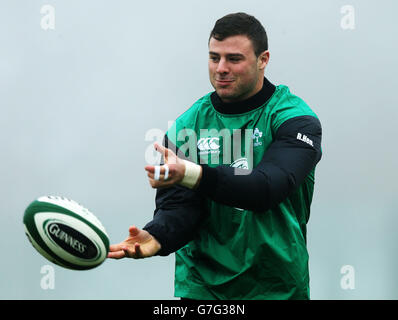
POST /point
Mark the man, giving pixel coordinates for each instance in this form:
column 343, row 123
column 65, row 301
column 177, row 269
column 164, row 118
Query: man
column 237, row 224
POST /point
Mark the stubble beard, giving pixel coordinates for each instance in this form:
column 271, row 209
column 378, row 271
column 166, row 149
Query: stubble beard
column 238, row 93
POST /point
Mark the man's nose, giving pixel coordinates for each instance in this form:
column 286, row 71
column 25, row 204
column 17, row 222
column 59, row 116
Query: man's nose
column 222, row 66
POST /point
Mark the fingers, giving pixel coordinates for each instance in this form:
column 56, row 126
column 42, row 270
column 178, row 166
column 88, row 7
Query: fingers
column 134, row 231
column 133, row 252
column 168, row 174
column 126, row 252
column 157, row 169
column 168, row 154
column 138, row 251
column 161, row 169
column 161, row 176
column 116, row 255
column 116, row 251
column 160, row 173
column 121, row 250
column 162, row 150
column 175, row 175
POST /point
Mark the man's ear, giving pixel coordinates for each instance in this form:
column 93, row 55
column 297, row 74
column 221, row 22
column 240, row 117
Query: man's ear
column 263, row 60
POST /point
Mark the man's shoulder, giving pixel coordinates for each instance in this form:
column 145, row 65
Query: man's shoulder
column 288, row 99
column 287, row 105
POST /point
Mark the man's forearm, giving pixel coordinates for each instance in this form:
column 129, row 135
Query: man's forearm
column 178, row 215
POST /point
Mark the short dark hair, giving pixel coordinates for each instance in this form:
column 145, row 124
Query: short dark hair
column 241, row 24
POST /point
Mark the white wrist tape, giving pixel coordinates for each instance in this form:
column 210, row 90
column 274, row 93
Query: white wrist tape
column 191, row 176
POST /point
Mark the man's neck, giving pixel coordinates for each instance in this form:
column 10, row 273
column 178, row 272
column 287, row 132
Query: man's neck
column 246, row 95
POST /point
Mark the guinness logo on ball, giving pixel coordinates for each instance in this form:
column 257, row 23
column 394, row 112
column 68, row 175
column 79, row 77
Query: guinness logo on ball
column 72, row 241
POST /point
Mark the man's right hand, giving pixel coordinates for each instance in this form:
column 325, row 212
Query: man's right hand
column 139, row 244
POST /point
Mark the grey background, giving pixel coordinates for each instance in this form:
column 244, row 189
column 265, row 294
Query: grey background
column 77, row 101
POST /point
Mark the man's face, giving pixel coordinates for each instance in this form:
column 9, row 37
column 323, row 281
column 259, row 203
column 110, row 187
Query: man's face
column 235, row 71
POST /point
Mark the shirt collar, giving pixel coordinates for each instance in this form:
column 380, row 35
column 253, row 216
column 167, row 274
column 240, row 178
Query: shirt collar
column 244, row 106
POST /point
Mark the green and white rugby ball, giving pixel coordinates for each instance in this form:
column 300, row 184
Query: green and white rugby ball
column 66, row 233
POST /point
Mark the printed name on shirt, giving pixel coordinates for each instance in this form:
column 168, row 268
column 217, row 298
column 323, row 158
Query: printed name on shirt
column 305, row 139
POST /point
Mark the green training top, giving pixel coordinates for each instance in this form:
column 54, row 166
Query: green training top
column 241, row 254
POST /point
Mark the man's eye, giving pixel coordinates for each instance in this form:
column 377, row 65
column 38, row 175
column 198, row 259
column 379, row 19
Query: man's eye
column 234, row 59
column 213, row 59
